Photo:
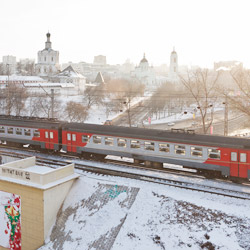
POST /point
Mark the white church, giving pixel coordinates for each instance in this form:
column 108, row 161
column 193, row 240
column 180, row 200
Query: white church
column 47, row 60
column 145, row 74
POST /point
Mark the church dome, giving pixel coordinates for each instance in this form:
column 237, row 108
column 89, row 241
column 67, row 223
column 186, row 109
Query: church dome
column 144, row 60
column 173, row 52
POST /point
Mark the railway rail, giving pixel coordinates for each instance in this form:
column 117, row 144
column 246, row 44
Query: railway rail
column 142, row 175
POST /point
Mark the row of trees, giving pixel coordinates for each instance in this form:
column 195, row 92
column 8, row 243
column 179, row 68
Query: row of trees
column 201, row 88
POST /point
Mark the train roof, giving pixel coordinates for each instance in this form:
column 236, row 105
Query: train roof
column 178, row 136
column 32, row 122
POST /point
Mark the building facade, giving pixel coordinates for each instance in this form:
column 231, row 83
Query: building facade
column 173, row 68
column 47, row 60
column 145, row 74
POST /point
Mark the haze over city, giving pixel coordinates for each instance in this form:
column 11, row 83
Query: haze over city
column 202, row 32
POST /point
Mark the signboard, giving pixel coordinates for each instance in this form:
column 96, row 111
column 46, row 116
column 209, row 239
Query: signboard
column 10, row 221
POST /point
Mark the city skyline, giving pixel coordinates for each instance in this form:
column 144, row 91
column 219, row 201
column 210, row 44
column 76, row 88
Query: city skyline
column 202, row 32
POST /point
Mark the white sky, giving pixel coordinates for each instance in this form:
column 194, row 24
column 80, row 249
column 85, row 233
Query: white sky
column 202, row 31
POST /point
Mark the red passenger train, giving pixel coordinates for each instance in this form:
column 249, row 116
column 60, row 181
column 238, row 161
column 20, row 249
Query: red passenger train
column 208, row 154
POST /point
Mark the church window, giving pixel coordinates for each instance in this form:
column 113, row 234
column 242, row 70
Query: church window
column 45, row 70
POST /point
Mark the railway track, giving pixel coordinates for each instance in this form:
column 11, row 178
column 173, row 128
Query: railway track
column 141, row 174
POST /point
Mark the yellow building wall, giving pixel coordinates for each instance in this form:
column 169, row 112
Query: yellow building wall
column 32, row 214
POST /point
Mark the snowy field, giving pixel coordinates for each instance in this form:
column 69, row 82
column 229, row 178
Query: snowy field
column 121, row 214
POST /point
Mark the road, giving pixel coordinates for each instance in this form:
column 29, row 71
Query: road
column 138, row 113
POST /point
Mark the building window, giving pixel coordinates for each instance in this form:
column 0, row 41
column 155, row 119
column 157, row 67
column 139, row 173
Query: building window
column 73, row 137
column 52, row 58
column 45, row 58
column 213, row 153
column 46, row 134
column 174, row 69
column 174, row 60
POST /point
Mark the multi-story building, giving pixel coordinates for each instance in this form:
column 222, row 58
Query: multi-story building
column 9, row 65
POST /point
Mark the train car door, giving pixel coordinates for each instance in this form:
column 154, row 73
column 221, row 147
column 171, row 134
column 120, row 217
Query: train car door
column 238, row 165
column 49, row 136
column 234, row 164
column 243, row 163
column 71, row 142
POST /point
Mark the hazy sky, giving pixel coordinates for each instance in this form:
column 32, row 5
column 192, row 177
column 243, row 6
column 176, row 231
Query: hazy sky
column 202, row 31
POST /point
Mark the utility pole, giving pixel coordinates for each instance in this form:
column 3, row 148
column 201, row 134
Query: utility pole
column 8, row 90
column 226, row 117
column 52, row 103
column 52, row 97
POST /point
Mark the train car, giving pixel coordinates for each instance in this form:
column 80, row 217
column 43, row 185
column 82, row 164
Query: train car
column 37, row 132
column 210, row 155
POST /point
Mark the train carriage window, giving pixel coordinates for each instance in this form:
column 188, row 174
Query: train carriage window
column 10, row 130
column 122, row 142
column 36, row 133
column 134, row 144
column 196, row 151
column 46, row 134
column 109, row 141
column 73, row 137
column 213, row 153
column 97, row 139
column 164, row 147
column 179, row 149
column 27, row 132
column 18, row 131
column 149, row 145
column 233, row 156
column 243, row 157
column 51, row 135
column 2, row 129
column 85, row 138
column 69, row 137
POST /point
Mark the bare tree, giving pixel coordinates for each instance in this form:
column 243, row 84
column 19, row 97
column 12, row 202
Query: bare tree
column 76, row 112
column 125, row 91
column 49, row 105
column 241, row 100
column 93, row 95
column 202, row 85
column 15, row 97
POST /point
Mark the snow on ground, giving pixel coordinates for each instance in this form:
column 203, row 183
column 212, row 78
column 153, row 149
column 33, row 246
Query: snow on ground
column 103, row 212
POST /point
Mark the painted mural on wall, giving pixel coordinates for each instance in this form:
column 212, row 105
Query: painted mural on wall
column 10, row 221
